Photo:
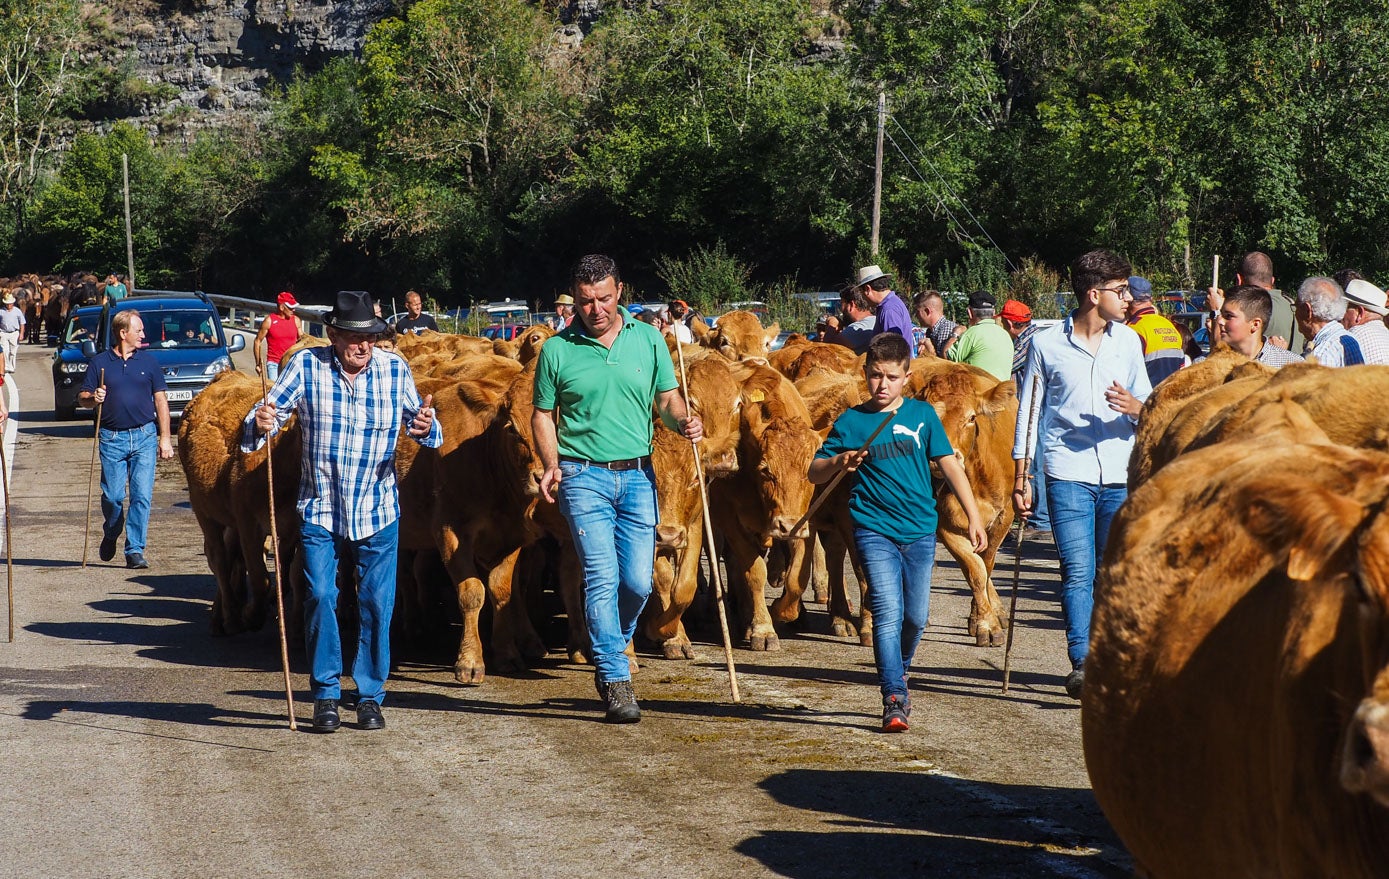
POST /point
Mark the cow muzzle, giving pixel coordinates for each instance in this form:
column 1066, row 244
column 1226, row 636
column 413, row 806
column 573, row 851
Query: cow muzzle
column 670, row 536
column 782, row 525
column 1365, row 761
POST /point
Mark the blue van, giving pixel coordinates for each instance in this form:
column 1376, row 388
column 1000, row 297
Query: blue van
column 184, row 333
column 69, row 361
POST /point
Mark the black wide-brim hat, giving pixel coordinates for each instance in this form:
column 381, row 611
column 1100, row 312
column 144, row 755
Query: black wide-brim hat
column 353, row 313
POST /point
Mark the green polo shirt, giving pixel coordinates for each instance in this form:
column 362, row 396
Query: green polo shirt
column 604, row 395
column 987, row 346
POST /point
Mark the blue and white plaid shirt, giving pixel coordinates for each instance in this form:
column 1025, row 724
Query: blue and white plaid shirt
column 348, row 484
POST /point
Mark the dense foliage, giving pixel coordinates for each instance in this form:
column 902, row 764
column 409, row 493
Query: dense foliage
column 712, row 144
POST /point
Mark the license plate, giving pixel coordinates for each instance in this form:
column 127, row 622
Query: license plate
column 180, row 396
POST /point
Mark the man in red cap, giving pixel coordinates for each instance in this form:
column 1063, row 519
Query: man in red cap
column 1017, row 320
column 281, row 329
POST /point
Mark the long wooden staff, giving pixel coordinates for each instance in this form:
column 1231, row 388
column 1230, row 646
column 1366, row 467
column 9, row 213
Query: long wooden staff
column 91, row 474
column 824, row 495
column 709, row 544
column 275, row 547
column 1017, row 546
column 9, row 554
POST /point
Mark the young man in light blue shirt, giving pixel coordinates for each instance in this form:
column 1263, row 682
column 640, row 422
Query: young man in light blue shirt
column 1092, row 386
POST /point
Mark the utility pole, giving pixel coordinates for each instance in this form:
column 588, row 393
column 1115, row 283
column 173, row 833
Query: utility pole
column 878, row 171
column 129, row 244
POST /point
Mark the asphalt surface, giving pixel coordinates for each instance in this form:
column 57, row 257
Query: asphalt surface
column 136, row 745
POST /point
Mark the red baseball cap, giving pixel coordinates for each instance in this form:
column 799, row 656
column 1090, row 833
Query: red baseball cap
column 287, row 298
column 1016, row 312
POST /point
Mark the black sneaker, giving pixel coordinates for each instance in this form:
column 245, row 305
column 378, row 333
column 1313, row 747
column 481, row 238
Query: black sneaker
column 107, row 550
column 622, row 702
column 895, row 710
column 136, row 560
column 325, row 715
column 369, row 715
column 1075, row 682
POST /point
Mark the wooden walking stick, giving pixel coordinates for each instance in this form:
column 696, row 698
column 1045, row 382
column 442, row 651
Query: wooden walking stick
column 275, row 548
column 709, row 544
column 824, row 495
column 9, row 554
column 1017, row 546
column 91, row 475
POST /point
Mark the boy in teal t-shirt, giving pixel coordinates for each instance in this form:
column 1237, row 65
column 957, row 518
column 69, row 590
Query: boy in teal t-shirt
column 894, row 510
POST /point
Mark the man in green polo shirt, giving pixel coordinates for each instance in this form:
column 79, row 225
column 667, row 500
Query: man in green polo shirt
column 985, row 344
column 595, row 385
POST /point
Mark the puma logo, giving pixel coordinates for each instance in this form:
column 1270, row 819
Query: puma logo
column 900, row 430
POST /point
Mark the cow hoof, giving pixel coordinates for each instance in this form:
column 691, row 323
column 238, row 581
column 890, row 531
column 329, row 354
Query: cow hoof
column 676, row 650
column 844, row 629
column 763, row 643
column 578, row 656
column 469, row 675
column 865, row 638
column 973, row 626
column 822, row 596
column 632, row 665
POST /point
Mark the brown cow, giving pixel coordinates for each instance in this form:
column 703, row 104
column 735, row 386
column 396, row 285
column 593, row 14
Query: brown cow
column 767, row 497
column 1173, row 394
column 1236, row 703
column 713, row 395
column 209, row 437
column 741, row 336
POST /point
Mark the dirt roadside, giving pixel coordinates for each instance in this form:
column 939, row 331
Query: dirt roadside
column 137, row 745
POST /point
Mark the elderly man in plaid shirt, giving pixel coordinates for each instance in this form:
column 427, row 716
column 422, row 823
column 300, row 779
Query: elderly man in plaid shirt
column 352, row 402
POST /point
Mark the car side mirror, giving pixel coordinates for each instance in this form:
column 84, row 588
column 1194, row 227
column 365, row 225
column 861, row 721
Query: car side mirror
column 238, row 343
column 88, row 348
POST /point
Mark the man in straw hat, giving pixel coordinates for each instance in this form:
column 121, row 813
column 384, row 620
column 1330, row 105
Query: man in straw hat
column 352, row 400
column 564, row 307
column 893, row 316
column 1364, row 318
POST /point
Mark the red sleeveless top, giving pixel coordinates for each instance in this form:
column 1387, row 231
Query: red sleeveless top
column 282, row 335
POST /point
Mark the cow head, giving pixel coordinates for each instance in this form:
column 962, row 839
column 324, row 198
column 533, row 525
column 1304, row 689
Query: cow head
column 741, row 336
column 713, row 395
column 961, row 397
column 1336, row 540
column 516, row 451
column 777, row 446
column 528, row 344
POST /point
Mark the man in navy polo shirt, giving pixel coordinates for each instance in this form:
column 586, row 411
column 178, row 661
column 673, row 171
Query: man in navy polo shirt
column 128, row 383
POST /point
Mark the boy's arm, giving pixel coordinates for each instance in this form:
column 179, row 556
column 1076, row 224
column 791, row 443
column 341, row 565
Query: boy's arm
column 823, row 469
column 959, row 483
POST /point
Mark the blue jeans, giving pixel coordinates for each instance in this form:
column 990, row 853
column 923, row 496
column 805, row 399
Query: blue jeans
column 127, row 459
column 1041, row 515
column 374, row 558
column 899, row 595
column 612, row 516
column 1080, row 517
column 272, row 371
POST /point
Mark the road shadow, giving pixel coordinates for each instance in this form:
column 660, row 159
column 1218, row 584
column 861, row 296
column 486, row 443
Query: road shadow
column 185, row 713
column 66, row 430
column 169, row 623
column 920, row 824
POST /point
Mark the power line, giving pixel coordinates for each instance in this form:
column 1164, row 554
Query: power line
column 946, row 186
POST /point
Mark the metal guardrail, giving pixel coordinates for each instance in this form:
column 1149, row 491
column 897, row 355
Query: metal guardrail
column 239, row 313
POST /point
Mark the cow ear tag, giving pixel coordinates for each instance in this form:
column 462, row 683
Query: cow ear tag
column 757, row 396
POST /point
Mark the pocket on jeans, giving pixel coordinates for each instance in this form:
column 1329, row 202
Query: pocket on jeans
column 571, row 468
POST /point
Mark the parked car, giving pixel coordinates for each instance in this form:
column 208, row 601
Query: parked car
column 69, row 361
column 185, row 335
column 827, row 301
column 504, row 332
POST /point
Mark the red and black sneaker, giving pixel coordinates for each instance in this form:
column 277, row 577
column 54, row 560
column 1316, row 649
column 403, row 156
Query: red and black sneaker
column 895, row 715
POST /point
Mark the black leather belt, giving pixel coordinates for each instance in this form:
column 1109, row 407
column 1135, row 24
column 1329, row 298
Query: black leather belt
column 628, row 464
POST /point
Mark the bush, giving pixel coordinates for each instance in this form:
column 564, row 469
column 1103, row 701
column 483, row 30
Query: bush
column 707, row 278
column 1035, row 284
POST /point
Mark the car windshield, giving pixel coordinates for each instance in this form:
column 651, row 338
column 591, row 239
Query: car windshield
column 178, row 328
column 81, row 327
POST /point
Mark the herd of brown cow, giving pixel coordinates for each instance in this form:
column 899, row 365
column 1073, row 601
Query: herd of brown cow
column 472, row 521
column 1236, row 705
column 47, row 299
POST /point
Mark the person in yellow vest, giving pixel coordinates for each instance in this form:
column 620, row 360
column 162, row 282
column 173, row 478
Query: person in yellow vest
column 1162, row 344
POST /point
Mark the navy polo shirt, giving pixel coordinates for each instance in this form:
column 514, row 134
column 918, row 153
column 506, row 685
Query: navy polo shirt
column 130, row 387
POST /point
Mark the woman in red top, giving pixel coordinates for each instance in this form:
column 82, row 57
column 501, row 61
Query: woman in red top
column 281, row 330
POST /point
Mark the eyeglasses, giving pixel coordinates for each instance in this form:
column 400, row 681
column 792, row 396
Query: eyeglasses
column 1122, row 291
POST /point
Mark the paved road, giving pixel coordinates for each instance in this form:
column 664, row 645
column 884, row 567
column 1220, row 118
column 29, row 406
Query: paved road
column 136, row 745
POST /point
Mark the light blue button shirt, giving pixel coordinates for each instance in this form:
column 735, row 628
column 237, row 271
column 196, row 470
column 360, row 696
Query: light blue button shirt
column 1083, row 440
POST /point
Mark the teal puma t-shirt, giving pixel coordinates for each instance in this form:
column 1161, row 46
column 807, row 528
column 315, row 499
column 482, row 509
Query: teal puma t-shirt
column 891, row 493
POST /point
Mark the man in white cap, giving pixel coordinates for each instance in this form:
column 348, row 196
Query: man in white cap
column 11, row 328
column 893, row 316
column 1364, row 318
